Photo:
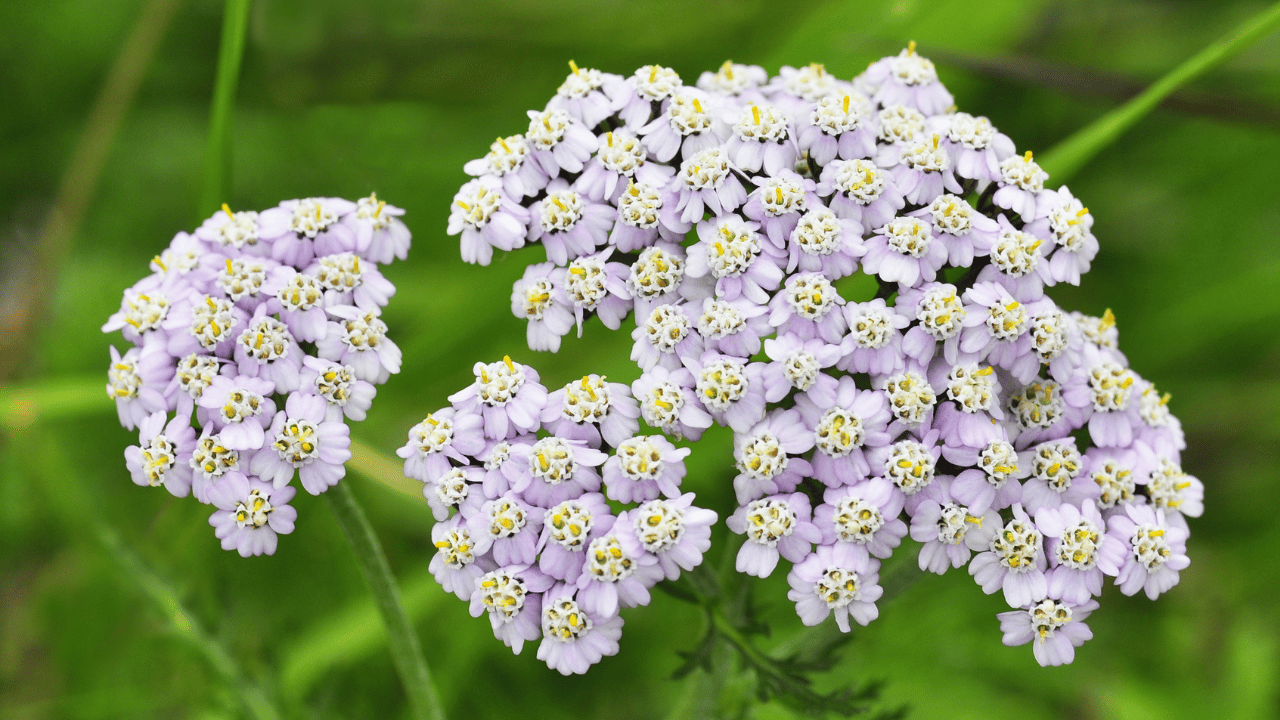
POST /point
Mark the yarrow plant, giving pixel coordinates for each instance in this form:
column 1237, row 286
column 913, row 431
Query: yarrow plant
column 254, row 340
column 959, row 405
column 520, row 480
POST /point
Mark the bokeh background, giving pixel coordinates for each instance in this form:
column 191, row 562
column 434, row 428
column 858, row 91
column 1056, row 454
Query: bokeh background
column 344, row 98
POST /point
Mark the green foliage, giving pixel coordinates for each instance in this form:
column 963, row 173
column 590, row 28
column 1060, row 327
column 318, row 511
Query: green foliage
column 340, row 98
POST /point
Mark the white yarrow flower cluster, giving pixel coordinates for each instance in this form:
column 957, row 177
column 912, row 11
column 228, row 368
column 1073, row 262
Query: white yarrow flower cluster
column 960, row 405
column 254, row 340
column 518, row 479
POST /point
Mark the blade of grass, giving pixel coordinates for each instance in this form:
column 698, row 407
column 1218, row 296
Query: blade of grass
column 1066, row 158
column 217, row 163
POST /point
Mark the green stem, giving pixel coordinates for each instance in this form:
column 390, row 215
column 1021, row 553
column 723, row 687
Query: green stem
column 1067, row 157
column 731, row 633
column 217, row 162
column 405, row 650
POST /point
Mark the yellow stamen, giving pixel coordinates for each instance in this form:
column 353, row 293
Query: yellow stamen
column 381, row 204
column 935, row 142
column 727, row 69
column 653, row 73
column 1155, row 533
column 846, row 104
column 663, row 404
column 1108, row 320
column 1012, row 306
column 434, row 422
column 1026, row 157
column 975, row 520
column 586, row 385
column 697, row 105
column 559, row 204
column 510, row 366
column 573, row 66
column 159, row 262
column 985, row 371
column 229, row 268
column 577, row 271
column 227, row 210
column 1167, row 397
column 911, row 47
column 503, row 143
column 778, row 190
column 609, row 136
column 755, row 112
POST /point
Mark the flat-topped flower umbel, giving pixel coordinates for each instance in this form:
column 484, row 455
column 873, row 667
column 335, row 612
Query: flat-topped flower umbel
column 890, row 255
column 255, row 340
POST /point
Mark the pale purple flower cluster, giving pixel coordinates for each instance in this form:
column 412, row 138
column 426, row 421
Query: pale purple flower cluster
column 254, row 340
column 519, row 479
column 959, row 405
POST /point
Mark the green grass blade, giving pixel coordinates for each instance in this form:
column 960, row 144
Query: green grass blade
column 1066, row 158
column 217, row 164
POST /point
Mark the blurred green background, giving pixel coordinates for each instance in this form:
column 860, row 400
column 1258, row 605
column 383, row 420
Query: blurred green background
column 341, row 98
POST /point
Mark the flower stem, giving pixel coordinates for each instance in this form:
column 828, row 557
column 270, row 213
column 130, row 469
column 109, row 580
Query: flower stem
column 1067, row 157
column 217, row 162
column 405, row 649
